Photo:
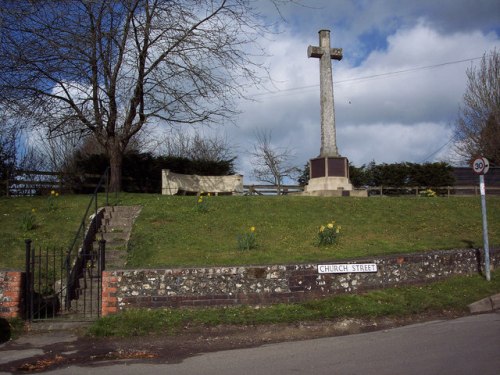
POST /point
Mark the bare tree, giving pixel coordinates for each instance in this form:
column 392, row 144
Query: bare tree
column 110, row 67
column 478, row 125
column 8, row 153
column 271, row 164
column 195, row 146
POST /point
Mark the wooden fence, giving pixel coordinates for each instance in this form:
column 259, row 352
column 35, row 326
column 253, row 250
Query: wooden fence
column 379, row 190
column 271, row 189
column 27, row 182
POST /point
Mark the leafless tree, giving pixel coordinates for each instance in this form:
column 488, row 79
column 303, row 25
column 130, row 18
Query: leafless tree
column 478, row 125
column 108, row 67
column 271, row 164
column 197, row 147
column 8, row 141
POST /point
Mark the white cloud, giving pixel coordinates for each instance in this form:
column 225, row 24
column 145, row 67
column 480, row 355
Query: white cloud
column 386, row 142
column 403, row 116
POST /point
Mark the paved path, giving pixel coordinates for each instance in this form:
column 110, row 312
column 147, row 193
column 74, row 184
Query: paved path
column 468, row 345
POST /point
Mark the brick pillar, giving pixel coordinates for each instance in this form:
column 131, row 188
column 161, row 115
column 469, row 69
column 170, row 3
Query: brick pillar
column 109, row 289
column 11, row 294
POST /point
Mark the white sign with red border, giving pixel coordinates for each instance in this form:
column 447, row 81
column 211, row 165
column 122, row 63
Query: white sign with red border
column 481, row 166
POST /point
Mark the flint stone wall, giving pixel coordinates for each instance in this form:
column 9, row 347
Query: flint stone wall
column 211, row 286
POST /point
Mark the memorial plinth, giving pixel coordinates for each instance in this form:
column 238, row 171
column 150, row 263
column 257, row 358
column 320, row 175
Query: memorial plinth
column 329, row 174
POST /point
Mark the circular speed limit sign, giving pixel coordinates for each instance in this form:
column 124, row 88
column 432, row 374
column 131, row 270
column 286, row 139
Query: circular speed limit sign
column 481, row 166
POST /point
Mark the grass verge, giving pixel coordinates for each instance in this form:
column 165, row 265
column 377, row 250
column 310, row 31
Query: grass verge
column 453, row 294
column 171, row 232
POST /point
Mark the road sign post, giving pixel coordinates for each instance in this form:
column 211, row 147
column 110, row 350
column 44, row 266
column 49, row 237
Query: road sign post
column 481, row 167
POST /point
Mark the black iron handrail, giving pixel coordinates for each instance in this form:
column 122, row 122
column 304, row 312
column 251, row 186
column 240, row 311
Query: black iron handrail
column 72, row 260
column 93, row 199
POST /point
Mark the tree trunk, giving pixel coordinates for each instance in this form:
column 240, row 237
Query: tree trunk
column 115, row 163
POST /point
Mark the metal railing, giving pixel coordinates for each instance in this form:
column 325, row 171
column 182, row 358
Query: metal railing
column 85, row 235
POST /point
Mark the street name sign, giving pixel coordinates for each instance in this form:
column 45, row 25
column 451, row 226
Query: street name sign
column 347, row 268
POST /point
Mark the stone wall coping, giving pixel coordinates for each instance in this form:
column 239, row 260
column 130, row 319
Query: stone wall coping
column 285, row 266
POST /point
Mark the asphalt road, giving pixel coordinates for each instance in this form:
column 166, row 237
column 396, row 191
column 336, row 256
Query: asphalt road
column 469, row 345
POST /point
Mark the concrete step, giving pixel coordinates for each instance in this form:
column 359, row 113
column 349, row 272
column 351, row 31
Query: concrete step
column 116, row 228
column 118, row 221
column 129, row 212
column 112, row 228
column 114, row 236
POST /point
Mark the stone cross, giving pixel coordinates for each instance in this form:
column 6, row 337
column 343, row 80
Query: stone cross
column 325, row 54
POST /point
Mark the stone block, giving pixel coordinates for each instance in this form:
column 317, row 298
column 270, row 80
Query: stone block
column 495, row 301
column 481, row 306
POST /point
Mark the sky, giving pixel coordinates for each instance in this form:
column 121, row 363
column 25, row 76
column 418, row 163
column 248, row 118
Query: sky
column 397, row 89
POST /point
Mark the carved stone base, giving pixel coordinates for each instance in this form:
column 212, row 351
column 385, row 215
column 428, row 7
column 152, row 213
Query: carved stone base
column 329, row 174
column 329, row 184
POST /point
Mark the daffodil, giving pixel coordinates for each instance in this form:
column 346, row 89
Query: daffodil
column 330, row 225
column 252, row 229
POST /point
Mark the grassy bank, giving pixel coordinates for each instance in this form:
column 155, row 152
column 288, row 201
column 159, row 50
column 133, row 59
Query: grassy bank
column 53, row 223
column 450, row 295
column 172, row 231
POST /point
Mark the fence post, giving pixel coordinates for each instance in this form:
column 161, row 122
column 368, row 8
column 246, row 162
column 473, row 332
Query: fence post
column 28, row 295
column 102, row 255
column 95, row 212
column 60, row 178
column 107, row 186
column 7, row 184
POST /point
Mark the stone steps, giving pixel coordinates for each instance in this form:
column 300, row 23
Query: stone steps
column 116, row 229
column 87, row 303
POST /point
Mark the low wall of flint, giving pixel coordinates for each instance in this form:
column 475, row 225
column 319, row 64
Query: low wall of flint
column 258, row 285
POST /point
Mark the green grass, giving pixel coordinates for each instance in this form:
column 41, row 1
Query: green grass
column 171, row 232
column 54, row 224
column 453, row 294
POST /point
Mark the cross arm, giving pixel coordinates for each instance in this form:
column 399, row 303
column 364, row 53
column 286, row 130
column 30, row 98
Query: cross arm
column 336, row 53
column 314, row 51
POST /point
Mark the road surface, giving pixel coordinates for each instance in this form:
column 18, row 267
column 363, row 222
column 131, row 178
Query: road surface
column 468, row 345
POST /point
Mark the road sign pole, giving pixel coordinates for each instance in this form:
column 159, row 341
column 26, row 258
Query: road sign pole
column 485, row 228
